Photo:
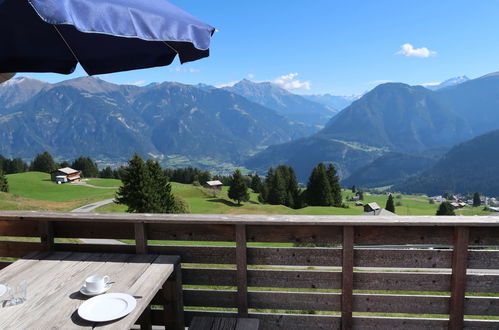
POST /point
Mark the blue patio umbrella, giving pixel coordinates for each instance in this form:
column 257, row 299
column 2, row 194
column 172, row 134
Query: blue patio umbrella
column 104, row 36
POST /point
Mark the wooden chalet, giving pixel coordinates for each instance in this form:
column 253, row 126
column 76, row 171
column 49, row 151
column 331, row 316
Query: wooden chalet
column 66, row 174
column 215, row 185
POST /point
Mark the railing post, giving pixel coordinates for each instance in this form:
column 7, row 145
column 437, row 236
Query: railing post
column 47, row 235
column 347, row 278
column 458, row 278
column 173, row 299
column 140, row 238
column 242, row 271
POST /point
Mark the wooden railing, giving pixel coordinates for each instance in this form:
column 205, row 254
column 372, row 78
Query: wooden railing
column 319, row 285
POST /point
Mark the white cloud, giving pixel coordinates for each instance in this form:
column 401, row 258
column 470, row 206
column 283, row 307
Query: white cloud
column 181, row 69
column 409, row 50
column 430, row 84
column 251, row 76
column 289, row 82
column 138, row 83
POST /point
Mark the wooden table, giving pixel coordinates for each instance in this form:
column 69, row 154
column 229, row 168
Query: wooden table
column 55, row 278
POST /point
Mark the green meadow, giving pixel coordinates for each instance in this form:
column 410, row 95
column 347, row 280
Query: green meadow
column 35, row 191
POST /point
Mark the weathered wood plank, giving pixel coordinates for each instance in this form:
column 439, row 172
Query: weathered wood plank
column 173, row 301
column 249, row 219
column 241, row 271
column 482, row 283
column 294, row 279
column 402, row 281
column 19, row 228
column 483, row 236
column 483, row 259
column 347, row 278
column 94, row 230
column 47, row 235
column 481, row 306
column 15, row 249
column 381, row 235
column 458, row 278
column 198, row 254
column 294, row 256
column 366, row 322
column 188, row 232
column 140, row 238
column 96, row 248
column 390, row 303
column 295, row 234
column 403, row 258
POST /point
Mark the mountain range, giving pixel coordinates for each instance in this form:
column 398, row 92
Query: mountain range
column 170, row 121
column 469, row 167
column 392, row 117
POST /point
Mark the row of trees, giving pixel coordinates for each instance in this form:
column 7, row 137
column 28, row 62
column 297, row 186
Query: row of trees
column 4, row 183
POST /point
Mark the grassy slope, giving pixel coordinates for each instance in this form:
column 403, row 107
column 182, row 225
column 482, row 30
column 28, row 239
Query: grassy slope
column 35, row 191
column 104, row 182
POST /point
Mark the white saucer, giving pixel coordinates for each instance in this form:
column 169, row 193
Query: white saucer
column 84, row 290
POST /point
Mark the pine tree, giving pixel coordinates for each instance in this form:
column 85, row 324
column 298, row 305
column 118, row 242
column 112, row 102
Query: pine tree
column 318, row 188
column 106, row 173
column 294, row 199
column 135, row 188
column 43, row 163
column 86, row 166
column 238, row 190
column 334, row 183
column 476, row 200
column 256, row 183
column 354, row 189
column 4, row 183
column 278, row 194
column 445, row 209
column 390, row 206
column 161, row 199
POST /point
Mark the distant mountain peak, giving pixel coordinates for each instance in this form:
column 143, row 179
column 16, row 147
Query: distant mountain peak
column 22, row 80
column 90, row 84
column 454, row 81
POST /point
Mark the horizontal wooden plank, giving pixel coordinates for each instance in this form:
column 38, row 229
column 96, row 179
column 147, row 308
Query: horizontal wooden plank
column 483, row 259
column 295, row 234
column 482, row 283
column 400, row 235
column 366, row 322
column 294, row 279
column 484, row 236
column 15, row 249
column 390, row 303
column 403, row 281
column 481, row 306
column 402, row 258
column 19, row 227
column 264, row 300
column 188, row 232
column 294, row 256
column 252, row 219
column 96, row 248
column 215, row 277
column 198, row 254
column 264, row 278
column 76, row 229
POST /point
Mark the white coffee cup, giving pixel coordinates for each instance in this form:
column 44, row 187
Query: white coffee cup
column 96, row 283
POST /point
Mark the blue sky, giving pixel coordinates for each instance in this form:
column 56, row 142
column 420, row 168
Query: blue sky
column 340, row 47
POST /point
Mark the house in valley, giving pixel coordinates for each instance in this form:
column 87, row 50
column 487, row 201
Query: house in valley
column 65, row 175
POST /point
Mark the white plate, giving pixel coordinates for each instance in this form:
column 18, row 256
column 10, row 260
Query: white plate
column 84, row 290
column 107, row 307
column 3, row 289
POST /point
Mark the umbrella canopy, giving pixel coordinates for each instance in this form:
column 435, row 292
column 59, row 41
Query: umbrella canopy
column 104, row 36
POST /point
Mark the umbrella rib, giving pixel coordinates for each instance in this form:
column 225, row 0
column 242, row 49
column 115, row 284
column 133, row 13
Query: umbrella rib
column 170, row 47
column 67, row 45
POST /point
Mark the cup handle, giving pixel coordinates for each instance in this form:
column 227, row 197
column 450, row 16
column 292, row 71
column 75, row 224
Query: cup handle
column 106, row 279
